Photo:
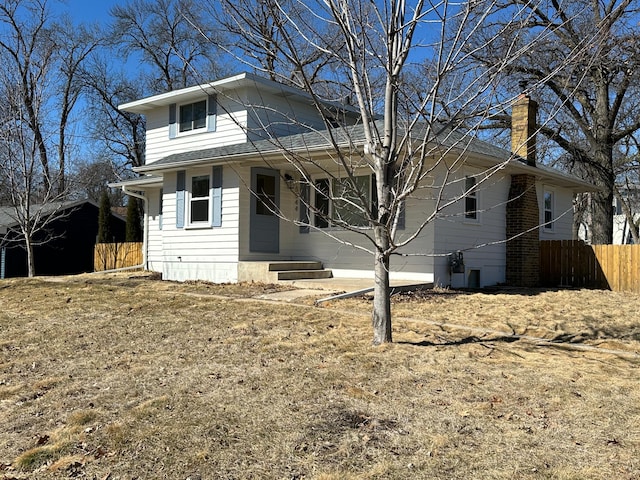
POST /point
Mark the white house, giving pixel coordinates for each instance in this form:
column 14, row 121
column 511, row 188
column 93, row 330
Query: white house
column 209, row 147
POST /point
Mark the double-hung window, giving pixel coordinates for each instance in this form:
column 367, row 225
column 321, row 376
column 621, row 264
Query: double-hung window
column 470, row 199
column 200, row 199
column 193, row 116
column 548, row 210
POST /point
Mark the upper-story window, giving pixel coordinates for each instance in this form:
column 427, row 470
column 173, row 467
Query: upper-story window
column 193, row 116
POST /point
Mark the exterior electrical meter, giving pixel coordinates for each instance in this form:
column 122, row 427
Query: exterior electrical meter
column 456, row 262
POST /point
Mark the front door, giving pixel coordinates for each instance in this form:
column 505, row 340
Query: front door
column 264, row 231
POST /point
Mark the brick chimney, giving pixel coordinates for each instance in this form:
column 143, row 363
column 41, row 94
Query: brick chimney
column 523, row 217
column 523, row 128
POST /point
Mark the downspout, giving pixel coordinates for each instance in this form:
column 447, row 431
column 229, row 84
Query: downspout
column 145, row 233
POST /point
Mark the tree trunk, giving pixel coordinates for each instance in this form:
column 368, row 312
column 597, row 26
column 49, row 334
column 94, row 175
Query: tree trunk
column 601, row 208
column 31, row 266
column 602, row 218
column 381, row 318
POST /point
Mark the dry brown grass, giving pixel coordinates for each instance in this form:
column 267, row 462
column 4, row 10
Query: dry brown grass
column 111, row 377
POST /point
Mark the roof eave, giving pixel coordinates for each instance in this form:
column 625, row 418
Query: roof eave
column 142, row 183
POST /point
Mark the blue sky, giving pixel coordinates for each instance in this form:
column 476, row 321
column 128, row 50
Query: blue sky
column 86, row 10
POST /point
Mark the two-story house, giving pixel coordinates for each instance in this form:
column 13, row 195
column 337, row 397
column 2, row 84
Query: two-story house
column 218, row 186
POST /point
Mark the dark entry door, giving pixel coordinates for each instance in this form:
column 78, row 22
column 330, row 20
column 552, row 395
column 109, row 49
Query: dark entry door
column 264, row 230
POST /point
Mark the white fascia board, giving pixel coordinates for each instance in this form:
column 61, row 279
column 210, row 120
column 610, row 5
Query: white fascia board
column 149, row 181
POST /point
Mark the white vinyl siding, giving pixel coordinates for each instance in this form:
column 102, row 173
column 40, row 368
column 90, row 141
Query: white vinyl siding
column 280, row 115
column 154, row 236
column 562, row 213
column 229, row 130
column 454, row 232
column 207, row 254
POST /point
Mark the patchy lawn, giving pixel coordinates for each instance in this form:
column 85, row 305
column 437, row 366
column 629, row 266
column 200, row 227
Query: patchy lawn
column 118, row 377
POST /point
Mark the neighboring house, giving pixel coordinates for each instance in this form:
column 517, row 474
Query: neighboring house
column 207, row 152
column 621, row 228
column 64, row 247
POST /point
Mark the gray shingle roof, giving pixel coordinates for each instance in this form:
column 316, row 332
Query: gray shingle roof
column 312, row 141
column 318, row 141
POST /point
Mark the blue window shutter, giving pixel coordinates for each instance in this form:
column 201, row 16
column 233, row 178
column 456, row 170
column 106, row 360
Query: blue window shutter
column 304, row 207
column 212, row 113
column 180, row 196
column 173, row 125
column 216, row 197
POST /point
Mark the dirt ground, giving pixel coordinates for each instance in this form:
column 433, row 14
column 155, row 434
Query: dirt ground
column 129, row 377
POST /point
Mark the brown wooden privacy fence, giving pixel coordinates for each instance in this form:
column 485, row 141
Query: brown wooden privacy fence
column 108, row 256
column 576, row 264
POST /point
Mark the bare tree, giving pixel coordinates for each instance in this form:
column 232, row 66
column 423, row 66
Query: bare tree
column 120, row 135
column 587, row 70
column 33, row 199
column 40, row 62
column 411, row 147
column 157, row 34
column 28, row 48
column 74, row 46
column 255, row 30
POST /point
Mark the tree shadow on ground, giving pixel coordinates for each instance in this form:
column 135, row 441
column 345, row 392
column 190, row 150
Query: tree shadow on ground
column 577, row 341
column 464, row 341
column 408, row 294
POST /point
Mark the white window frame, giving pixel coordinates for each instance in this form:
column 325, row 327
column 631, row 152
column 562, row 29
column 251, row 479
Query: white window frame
column 474, row 194
column 192, row 130
column 548, row 226
column 191, row 198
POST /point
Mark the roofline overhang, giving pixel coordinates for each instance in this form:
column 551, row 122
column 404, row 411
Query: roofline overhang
column 558, row 178
column 514, row 164
column 272, row 154
column 142, row 183
column 223, row 85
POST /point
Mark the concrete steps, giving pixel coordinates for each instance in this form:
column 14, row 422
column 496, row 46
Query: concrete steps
column 275, row 271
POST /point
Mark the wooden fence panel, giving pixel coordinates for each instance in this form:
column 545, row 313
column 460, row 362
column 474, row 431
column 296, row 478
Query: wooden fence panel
column 573, row 263
column 109, row 256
